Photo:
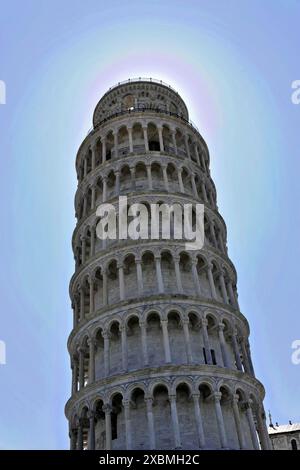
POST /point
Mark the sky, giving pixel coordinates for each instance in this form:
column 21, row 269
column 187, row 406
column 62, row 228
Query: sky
column 233, row 62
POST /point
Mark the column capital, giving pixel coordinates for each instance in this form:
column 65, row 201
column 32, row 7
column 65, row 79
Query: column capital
column 235, row 398
column 217, row 396
column 172, row 397
column 107, row 408
column 204, row 322
column 221, row 326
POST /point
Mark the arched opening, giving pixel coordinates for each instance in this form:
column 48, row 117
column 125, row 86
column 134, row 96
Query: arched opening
column 130, row 276
column 138, row 138
column 125, row 179
column 156, row 353
column 162, row 418
column 186, row 419
column 153, row 138
column 138, row 415
column 176, row 338
column 99, row 355
column 113, row 293
column 123, row 142
column 118, row 423
column 134, row 344
column 149, row 275
column 157, row 176
column 168, row 272
column 294, row 445
column 115, row 349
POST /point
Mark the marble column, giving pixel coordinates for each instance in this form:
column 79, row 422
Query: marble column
column 164, row 326
column 198, row 418
column 175, row 422
column 150, row 419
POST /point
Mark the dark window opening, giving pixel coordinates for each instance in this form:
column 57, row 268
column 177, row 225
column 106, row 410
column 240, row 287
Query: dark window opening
column 153, row 145
column 294, row 444
column 213, row 356
column 114, row 423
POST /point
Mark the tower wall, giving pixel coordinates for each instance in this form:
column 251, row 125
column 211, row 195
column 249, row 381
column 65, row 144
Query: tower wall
column 159, row 349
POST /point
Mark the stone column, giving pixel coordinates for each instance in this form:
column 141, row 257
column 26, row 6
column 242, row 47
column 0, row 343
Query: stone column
column 219, row 415
column 187, row 146
column 174, row 141
column 94, row 149
column 232, row 296
column 221, row 243
column 107, row 411
column 238, row 424
column 115, row 144
column 83, row 249
column 124, row 348
column 245, row 357
column 81, row 293
column 130, row 139
column 93, row 198
column 196, row 277
column 80, row 436
column 159, row 278
column 75, row 376
column 194, row 187
column 81, row 368
column 91, row 295
column 177, row 274
column 247, row 346
column 106, row 353
column 262, row 430
column 103, row 149
column 104, row 287
column 199, row 424
column 164, row 326
column 188, row 348
column 92, row 241
column 126, row 404
column 197, row 153
column 117, row 175
column 236, row 351
column 223, row 345
column 91, row 344
column 181, row 188
column 121, row 281
column 73, row 439
column 145, row 131
column 161, row 141
column 132, row 174
column 165, row 176
column 251, row 426
column 203, row 189
column 144, row 342
column 206, row 341
column 175, row 423
column 84, row 205
column 104, row 188
column 84, row 167
column 223, row 287
column 76, row 313
column 91, row 438
column 139, row 275
column 213, row 234
column 149, row 176
column 150, row 419
column 211, row 281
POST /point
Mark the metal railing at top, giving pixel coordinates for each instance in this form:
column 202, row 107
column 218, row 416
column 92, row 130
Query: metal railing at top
column 142, row 79
column 141, row 110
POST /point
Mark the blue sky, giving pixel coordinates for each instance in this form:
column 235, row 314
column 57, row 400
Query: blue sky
column 233, row 62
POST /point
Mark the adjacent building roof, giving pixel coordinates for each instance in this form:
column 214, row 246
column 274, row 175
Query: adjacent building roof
column 284, row 428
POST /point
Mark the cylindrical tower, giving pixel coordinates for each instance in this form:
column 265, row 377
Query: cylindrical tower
column 159, row 350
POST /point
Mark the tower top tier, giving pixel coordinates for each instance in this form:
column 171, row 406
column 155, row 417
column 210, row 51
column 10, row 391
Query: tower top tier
column 138, row 94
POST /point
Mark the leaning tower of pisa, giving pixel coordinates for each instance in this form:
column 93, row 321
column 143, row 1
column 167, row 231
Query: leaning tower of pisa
column 159, row 349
